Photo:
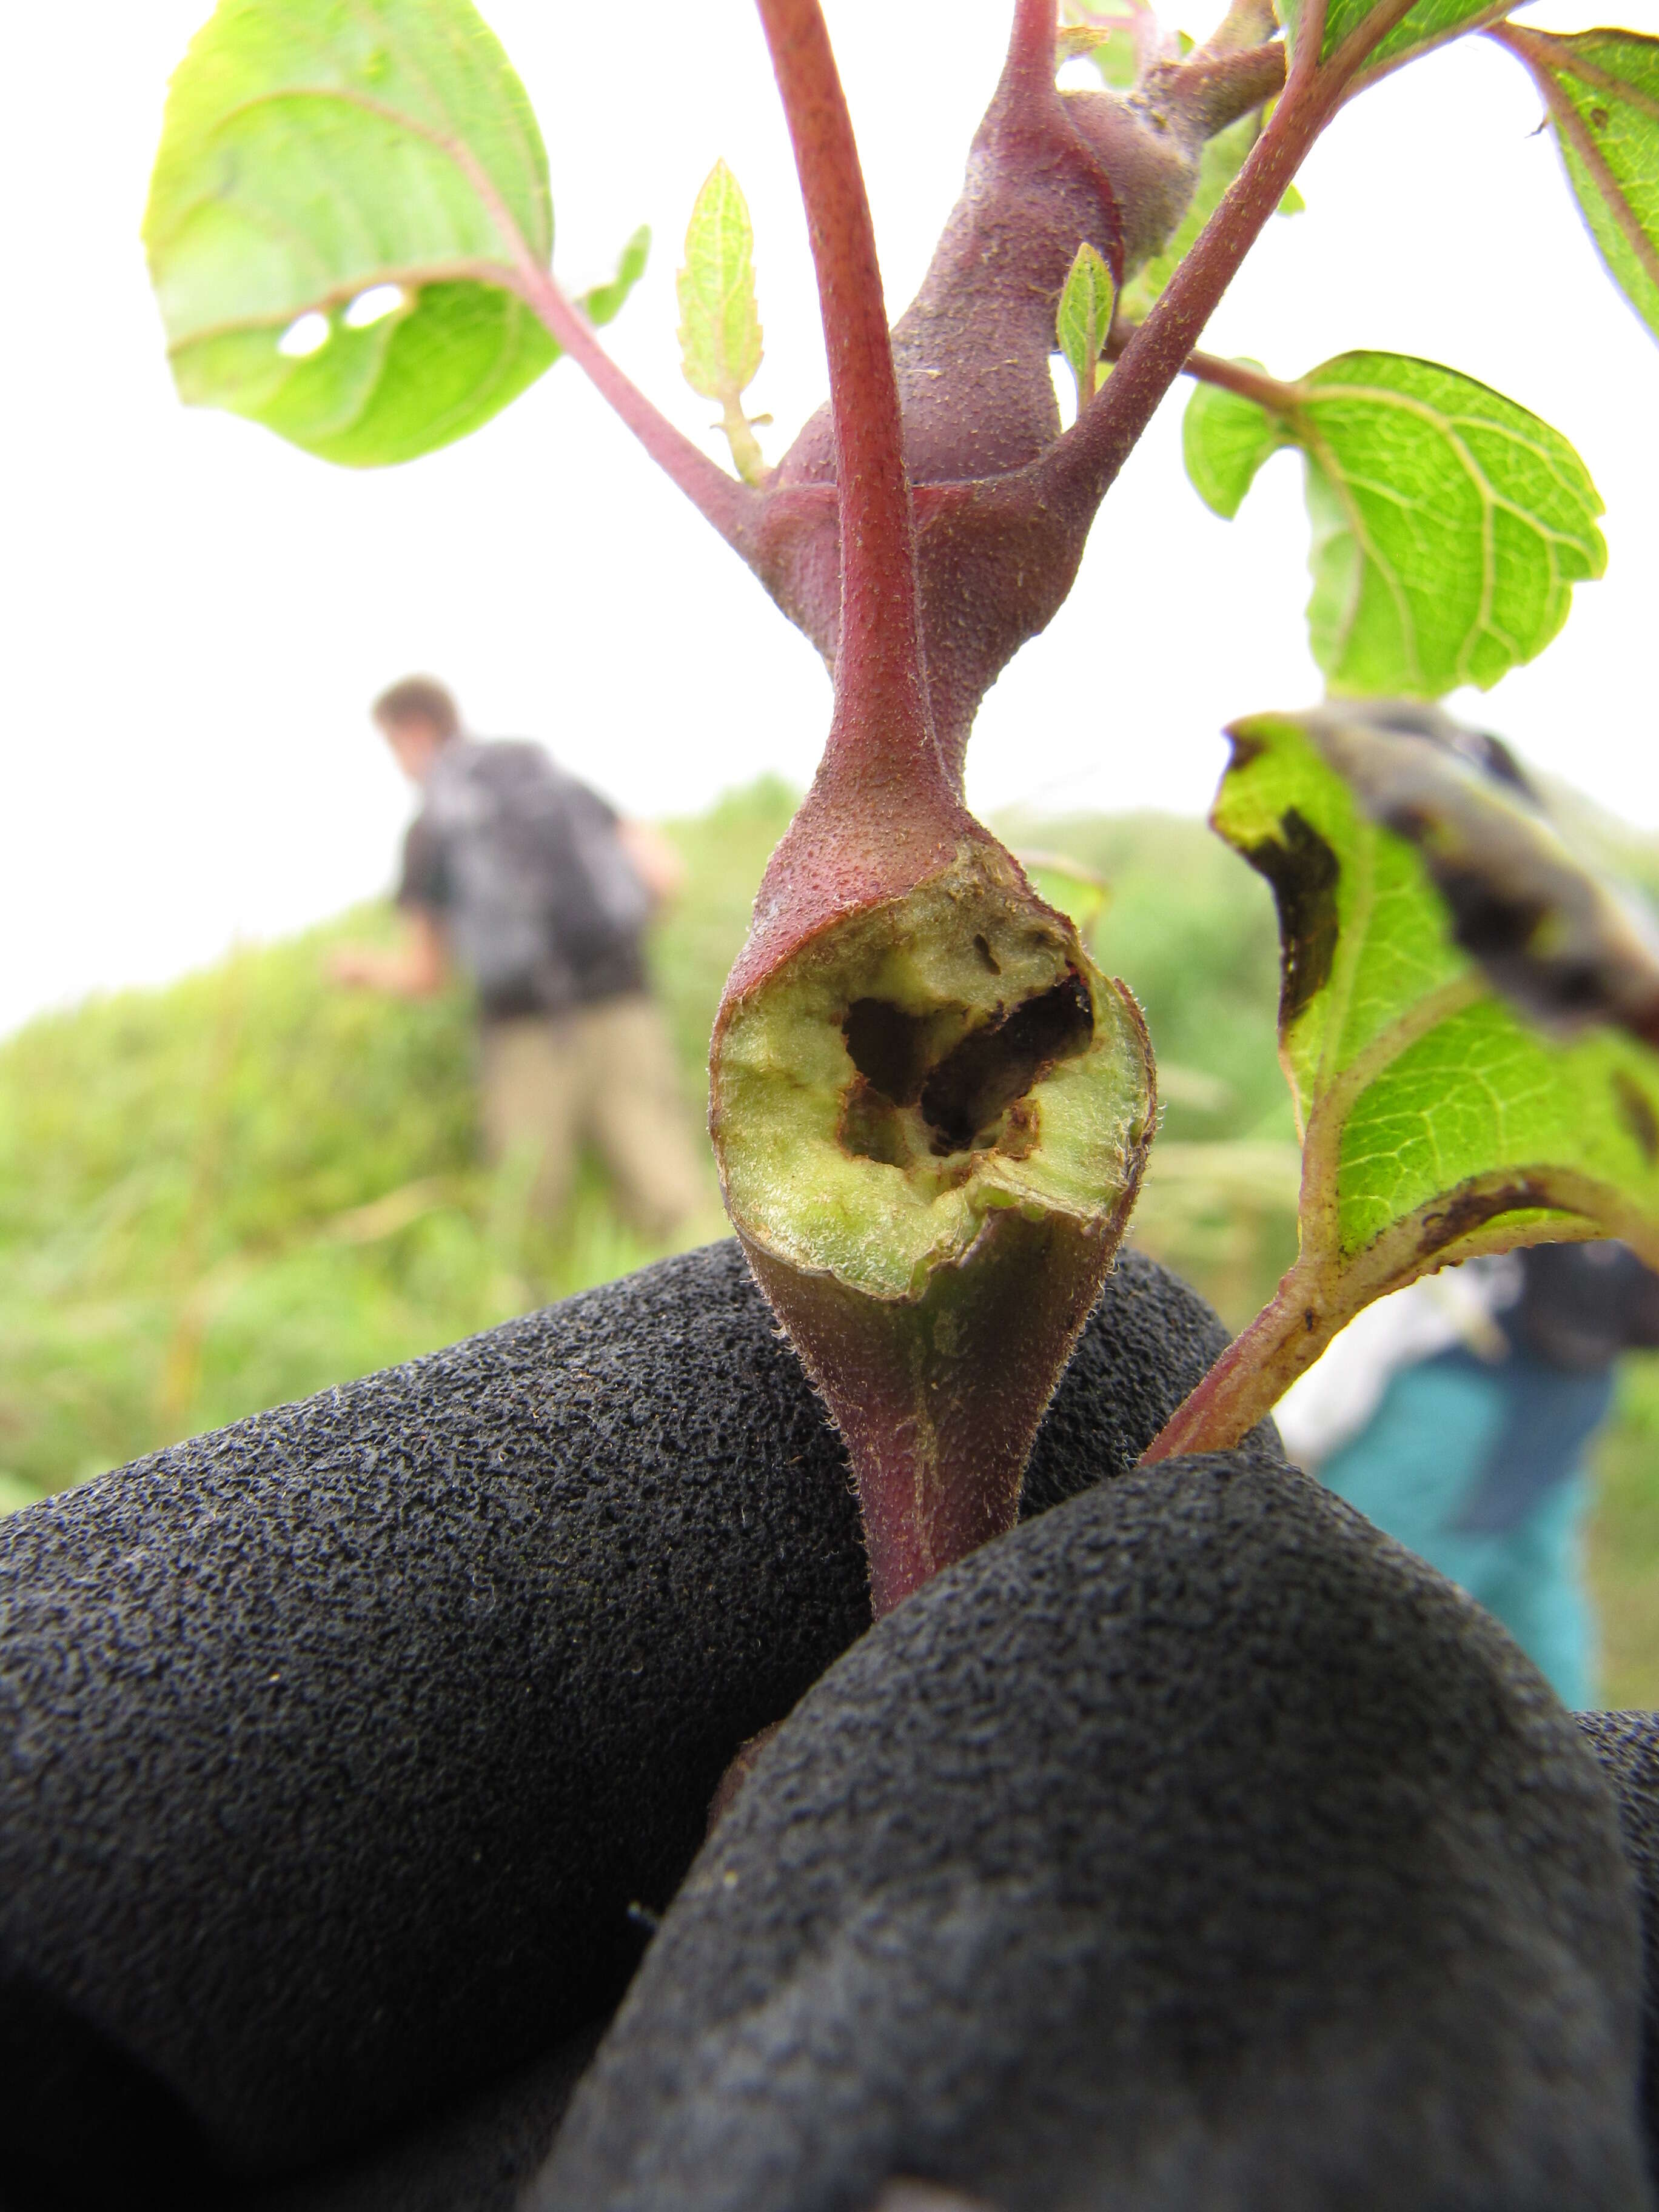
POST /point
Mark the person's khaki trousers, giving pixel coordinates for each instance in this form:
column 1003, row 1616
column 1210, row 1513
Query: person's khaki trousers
column 605, row 1072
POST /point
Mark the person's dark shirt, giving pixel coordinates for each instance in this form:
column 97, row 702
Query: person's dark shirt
column 523, row 865
column 1581, row 1305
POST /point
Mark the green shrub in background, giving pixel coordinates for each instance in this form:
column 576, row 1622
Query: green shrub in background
column 252, row 1184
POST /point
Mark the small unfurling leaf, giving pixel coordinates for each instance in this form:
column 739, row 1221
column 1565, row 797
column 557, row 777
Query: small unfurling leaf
column 1114, row 54
column 720, row 343
column 1107, row 34
column 1084, row 319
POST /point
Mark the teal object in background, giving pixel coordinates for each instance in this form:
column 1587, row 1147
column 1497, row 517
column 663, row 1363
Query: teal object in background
column 1477, row 1466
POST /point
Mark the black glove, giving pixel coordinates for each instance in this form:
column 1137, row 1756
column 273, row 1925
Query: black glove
column 1194, row 1845
column 345, row 1754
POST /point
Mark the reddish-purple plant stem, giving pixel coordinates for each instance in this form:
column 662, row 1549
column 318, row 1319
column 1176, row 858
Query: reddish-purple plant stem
column 1215, row 89
column 1032, row 45
column 1247, row 1382
column 731, row 505
column 1269, row 392
column 1080, row 468
column 881, row 714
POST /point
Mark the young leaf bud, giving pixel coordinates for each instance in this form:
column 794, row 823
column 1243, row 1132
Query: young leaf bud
column 721, row 348
column 1084, row 319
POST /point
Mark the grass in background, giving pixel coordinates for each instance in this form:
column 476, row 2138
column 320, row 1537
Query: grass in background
column 254, row 1184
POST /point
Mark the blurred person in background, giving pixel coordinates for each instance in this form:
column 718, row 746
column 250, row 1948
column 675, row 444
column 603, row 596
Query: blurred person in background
column 1456, row 1415
column 530, row 884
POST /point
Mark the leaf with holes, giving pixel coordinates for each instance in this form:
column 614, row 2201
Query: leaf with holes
column 1601, row 88
column 1449, row 524
column 341, row 207
column 1430, row 23
column 1432, row 917
column 1083, row 317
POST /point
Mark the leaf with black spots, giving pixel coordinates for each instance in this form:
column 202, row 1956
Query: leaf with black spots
column 1466, row 1022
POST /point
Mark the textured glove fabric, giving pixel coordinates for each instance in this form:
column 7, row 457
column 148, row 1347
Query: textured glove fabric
column 472, row 2157
column 1193, row 1845
column 343, row 1752
column 1627, row 1745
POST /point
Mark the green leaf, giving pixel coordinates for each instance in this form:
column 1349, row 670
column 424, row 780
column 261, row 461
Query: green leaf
column 720, row 321
column 319, row 164
column 365, row 399
column 1438, row 1122
column 721, row 349
column 1448, row 524
column 1225, row 440
column 604, row 302
column 1430, row 23
column 1602, row 91
column 1432, row 917
column 1084, row 318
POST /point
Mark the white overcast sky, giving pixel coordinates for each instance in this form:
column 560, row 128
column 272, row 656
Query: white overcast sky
column 197, row 613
